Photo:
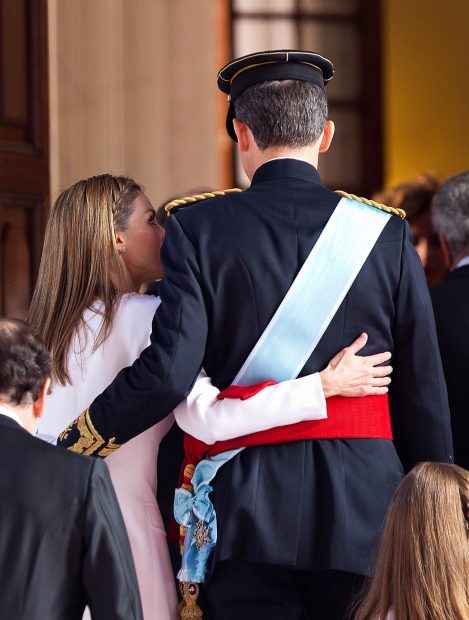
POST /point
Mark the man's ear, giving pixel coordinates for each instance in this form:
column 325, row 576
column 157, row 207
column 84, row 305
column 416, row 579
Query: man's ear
column 39, row 404
column 242, row 132
column 446, row 251
column 328, row 134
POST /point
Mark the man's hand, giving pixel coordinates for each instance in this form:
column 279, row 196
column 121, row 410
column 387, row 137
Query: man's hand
column 349, row 374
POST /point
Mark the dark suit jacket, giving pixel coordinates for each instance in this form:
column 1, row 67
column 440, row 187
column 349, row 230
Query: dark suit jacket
column 63, row 543
column 229, row 262
column 450, row 301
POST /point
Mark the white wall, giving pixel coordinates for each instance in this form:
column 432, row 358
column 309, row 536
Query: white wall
column 133, row 90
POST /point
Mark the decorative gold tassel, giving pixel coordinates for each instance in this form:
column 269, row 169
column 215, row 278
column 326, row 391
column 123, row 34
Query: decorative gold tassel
column 181, row 603
column 189, row 610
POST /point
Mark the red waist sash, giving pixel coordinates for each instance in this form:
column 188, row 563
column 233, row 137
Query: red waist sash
column 347, row 418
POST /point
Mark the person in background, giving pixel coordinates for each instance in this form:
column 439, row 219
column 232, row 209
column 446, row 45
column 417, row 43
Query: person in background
column 415, row 196
column 63, row 543
column 422, row 566
column 450, row 298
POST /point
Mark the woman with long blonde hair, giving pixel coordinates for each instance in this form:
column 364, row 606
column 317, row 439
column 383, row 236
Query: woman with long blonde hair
column 422, row 570
column 101, row 245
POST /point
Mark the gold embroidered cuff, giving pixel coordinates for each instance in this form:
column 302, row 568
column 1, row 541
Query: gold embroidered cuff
column 89, row 441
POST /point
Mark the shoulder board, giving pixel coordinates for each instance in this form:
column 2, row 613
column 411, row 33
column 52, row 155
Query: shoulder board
column 377, row 205
column 180, row 202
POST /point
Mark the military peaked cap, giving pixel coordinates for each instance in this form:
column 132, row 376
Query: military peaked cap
column 252, row 69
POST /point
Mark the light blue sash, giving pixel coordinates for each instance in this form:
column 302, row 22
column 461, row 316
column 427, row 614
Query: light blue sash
column 282, row 351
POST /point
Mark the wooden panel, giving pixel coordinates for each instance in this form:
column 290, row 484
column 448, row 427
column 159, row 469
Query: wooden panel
column 24, row 153
column 19, row 251
column 14, row 65
column 23, row 74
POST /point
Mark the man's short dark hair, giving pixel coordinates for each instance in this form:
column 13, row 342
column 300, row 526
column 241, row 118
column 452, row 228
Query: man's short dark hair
column 289, row 113
column 25, row 363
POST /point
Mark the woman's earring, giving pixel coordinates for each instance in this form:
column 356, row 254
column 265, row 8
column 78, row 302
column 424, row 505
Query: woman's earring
column 123, row 248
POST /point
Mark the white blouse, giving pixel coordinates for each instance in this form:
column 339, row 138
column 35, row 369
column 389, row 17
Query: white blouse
column 201, row 415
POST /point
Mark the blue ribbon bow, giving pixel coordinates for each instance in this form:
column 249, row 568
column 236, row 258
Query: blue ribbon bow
column 189, row 508
column 196, row 512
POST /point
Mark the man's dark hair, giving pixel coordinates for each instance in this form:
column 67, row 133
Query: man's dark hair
column 288, row 113
column 25, row 363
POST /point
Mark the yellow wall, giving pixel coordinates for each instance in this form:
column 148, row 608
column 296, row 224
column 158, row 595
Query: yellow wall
column 426, row 87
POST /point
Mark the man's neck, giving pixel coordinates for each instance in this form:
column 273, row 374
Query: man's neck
column 12, row 413
column 307, row 154
column 289, row 157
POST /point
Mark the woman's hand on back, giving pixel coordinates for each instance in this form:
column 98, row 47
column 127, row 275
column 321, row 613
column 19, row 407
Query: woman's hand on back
column 349, row 374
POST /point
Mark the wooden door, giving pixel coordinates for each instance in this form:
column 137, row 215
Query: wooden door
column 24, row 148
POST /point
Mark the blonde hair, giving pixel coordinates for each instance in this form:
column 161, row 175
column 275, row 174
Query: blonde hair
column 80, row 262
column 422, row 570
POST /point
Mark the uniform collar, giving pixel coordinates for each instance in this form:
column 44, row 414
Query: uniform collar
column 286, row 167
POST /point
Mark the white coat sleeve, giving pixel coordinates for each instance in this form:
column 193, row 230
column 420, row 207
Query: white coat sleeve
column 210, row 420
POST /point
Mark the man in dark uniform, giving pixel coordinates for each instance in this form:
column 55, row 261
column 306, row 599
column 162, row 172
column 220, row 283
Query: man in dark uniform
column 297, row 521
column 63, row 543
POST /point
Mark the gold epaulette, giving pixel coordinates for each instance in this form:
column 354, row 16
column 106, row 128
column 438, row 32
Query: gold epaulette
column 399, row 212
column 189, row 199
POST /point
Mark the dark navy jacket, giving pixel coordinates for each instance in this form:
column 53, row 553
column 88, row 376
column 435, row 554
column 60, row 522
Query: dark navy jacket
column 450, row 300
column 63, row 543
column 228, row 263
